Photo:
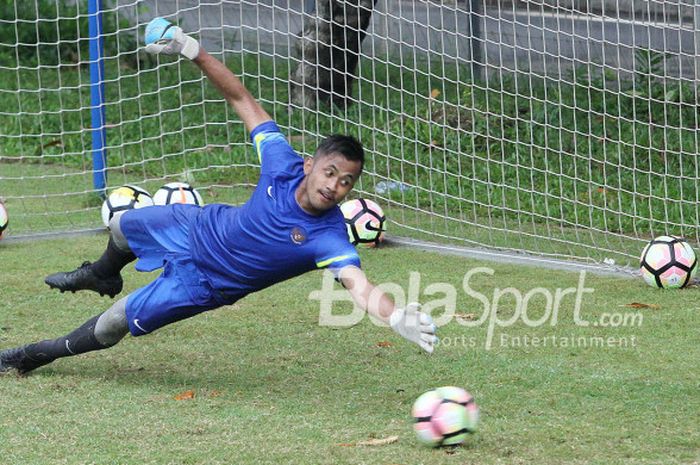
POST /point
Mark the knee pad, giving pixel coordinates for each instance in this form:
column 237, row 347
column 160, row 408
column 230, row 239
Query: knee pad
column 116, row 232
column 112, row 326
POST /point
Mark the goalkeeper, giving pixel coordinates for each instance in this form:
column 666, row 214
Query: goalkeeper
column 216, row 255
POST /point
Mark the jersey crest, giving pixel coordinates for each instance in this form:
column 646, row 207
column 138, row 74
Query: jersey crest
column 298, row 235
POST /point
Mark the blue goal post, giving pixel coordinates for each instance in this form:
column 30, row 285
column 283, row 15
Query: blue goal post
column 97, row 106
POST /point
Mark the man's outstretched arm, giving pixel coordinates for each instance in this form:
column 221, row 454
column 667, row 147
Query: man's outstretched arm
column 163, row 37
column 409, row 322
column 233, row 90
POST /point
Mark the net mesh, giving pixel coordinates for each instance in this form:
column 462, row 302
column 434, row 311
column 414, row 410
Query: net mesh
column 562, row 129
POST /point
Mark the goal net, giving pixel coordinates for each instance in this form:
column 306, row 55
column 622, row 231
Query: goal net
column 560, row 129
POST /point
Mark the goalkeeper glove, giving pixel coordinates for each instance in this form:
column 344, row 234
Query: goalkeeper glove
column 414, row 325
column 164, row 37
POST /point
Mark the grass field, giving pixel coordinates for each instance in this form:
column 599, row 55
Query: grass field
column 272, row 386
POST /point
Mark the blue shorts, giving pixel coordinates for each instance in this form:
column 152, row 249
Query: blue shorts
column 159, row 237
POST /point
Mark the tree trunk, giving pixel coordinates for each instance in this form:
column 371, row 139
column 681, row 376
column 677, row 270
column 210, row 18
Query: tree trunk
column 328, row 50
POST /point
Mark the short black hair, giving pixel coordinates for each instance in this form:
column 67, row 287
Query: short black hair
column 347, row 146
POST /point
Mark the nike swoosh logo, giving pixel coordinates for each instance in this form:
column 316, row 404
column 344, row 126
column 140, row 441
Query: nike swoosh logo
column 136, row 323
column 370, row 227
column 269, row 192
column 68, row 347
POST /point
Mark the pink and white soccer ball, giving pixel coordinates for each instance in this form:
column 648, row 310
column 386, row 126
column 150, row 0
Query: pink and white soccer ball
column 445, row 416
column 177, row 192
column 668, row 262
column 365, row 221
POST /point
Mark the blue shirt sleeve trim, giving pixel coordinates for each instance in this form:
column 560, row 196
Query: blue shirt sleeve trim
column 267, row 126
column 343, row 259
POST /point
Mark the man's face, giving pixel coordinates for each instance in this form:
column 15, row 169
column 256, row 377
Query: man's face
column 329, row 178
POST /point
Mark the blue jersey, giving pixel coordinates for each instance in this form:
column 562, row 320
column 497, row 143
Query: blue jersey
column 270, row 238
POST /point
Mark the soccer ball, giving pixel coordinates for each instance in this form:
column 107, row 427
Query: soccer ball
column 668, row 262
column 445, row 416
column 124, row 198
column 365, row 221
column 177, row 192
column 4, row 219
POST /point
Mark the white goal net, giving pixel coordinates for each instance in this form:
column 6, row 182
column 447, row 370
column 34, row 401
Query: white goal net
column 561, row 129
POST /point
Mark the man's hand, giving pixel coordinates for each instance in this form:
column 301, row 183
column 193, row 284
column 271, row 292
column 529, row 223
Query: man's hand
column 414, row 325
column 164, row 37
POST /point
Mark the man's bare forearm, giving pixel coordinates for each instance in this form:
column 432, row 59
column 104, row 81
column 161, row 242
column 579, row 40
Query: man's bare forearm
column 233, row 90
column 366, row 295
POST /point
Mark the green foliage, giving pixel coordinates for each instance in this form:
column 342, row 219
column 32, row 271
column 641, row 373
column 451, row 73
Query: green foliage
column 579, row 151
column 647, row 68
column 53, row 32
column 590, row 150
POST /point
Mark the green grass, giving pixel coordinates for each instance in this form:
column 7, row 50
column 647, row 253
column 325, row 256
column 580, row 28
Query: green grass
column 272, row 386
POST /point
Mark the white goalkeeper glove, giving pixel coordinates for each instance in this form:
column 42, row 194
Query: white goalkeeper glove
column 414, row 325
column 164, row 37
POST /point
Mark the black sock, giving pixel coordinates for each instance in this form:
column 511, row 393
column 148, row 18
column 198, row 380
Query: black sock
column 79, row 341
column 112, row 261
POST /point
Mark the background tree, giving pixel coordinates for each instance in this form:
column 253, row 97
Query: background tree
column 328, row 50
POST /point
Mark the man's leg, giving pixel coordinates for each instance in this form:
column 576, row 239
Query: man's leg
column 103, row 276
column 99, row 332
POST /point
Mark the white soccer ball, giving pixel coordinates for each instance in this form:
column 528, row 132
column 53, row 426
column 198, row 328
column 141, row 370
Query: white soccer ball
column 365, row 221
column 445, row 416
column 668, row 262
column 177, row 192
column 124, row 198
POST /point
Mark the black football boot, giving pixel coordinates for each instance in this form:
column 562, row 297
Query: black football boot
column 84, row 278
column 17, row 359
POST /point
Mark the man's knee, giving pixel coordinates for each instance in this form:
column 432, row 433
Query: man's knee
column 112, row 326
column 117, row 234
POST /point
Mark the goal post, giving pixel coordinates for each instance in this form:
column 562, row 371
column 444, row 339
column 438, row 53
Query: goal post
column 97, row 89
column 577, row 139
